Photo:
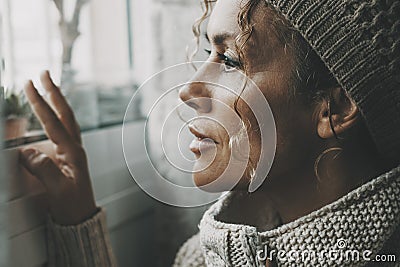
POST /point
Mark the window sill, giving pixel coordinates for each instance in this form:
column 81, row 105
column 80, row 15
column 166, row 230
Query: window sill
column 39, row 135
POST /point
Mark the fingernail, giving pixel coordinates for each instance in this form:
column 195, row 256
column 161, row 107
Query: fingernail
column 28, row 83
column 47, row 74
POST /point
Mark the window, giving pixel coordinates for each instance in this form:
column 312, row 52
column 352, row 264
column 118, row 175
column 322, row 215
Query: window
column 100, row 81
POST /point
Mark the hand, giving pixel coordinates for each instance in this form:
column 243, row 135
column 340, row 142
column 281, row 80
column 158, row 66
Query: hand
column 65, row 175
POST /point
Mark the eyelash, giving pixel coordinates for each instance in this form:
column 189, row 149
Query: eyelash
column 227, row 60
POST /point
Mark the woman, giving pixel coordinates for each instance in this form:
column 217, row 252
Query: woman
column 330, row 72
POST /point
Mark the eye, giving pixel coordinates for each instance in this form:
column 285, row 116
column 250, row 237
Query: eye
column 229, row 62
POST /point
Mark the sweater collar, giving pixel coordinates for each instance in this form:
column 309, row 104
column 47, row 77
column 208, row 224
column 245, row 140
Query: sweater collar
column 362, row 221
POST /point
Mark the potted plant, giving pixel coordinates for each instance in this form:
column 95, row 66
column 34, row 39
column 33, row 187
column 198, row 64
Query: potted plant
column 16, row 113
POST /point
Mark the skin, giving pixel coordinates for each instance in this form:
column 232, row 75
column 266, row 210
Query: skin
column 64, row 174
column 290, row 191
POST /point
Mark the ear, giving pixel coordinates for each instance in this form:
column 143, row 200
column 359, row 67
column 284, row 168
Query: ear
column 336, row 115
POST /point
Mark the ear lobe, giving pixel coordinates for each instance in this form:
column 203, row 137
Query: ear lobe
column 336, row 115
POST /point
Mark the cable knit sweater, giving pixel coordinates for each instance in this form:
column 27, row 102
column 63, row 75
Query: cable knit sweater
column 365, row 220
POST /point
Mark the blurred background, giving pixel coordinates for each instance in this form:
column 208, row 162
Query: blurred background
column 100, row 52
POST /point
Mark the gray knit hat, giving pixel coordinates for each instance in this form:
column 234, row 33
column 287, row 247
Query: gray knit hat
column 359, row 41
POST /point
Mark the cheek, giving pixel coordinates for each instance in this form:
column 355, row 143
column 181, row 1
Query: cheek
column 253, row 130
column 293, row 121
column 296, row 140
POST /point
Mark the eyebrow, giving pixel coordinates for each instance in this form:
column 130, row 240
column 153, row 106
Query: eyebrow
column 218, row 39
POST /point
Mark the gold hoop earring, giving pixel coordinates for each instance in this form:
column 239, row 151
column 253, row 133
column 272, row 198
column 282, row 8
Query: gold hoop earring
column 318, row 160
column 251, row 172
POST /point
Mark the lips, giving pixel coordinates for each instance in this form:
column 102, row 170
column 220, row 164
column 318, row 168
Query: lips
column 202, row 142
column 200, row 135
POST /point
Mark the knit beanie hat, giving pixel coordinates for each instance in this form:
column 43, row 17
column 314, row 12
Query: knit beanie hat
column 359, row 42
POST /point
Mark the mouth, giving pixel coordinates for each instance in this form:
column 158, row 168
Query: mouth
column 202, row 141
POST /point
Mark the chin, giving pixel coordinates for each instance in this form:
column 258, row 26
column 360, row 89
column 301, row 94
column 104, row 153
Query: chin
column 207, row 183
column 212, row 184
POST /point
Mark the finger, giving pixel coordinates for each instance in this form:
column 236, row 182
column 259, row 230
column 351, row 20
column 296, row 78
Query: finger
column 61, row 106
column 52, row 125
column 42, row 167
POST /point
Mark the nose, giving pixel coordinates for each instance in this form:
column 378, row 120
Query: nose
column 197, row 96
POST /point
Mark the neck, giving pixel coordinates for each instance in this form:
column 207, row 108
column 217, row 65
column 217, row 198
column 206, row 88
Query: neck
column 295, row 193
column 301, row 192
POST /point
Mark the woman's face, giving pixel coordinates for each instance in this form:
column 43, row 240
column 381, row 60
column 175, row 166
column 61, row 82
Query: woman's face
column 270, row 67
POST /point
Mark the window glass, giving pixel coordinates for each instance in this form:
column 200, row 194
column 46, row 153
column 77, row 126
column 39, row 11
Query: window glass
column 97, row 78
